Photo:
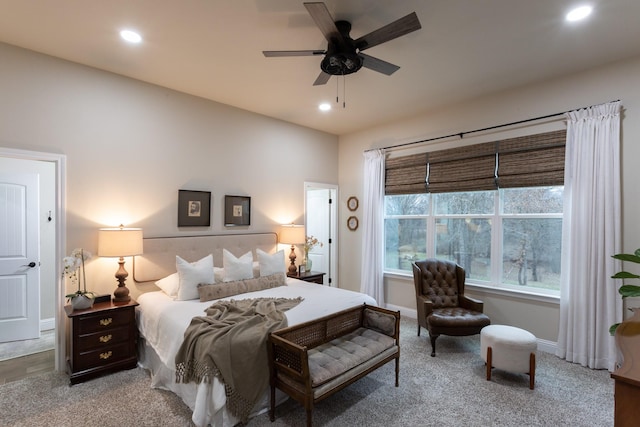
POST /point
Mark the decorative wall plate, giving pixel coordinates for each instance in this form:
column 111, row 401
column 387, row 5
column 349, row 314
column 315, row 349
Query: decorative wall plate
column 352, row 203
column 352, row 223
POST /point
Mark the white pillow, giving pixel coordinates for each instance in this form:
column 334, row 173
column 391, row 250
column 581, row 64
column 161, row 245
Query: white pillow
column 237, row 268
column 169, row 284
column 270, row 263
column 191, row 275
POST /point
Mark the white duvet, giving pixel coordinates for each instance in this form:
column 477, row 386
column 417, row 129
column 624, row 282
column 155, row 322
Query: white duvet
column 162, row 322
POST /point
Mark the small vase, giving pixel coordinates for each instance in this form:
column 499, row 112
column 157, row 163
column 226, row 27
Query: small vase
column 307, row 264
column 81, row 302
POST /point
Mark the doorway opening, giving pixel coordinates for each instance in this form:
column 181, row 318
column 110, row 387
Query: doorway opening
column 321, row 212
column 52, row 239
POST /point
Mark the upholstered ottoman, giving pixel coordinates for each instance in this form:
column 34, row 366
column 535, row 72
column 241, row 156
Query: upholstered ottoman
column 510, row 349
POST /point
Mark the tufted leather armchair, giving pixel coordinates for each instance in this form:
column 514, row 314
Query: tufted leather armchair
column 443, row 309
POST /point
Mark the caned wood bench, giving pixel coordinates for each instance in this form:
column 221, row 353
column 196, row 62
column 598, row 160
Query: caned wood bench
column 313, row 360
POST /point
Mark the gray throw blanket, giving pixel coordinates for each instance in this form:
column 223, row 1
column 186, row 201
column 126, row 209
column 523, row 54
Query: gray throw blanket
column 230, row 343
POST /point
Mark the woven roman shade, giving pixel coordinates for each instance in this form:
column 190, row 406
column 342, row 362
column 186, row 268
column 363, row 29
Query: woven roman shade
column 406, row 175
column 470, row 168
column 526, row 161
column 530, row 161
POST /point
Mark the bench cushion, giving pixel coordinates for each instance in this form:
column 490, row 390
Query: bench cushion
column 331, row 359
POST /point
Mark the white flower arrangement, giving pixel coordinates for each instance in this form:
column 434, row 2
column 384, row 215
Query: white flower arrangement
column 71, row 269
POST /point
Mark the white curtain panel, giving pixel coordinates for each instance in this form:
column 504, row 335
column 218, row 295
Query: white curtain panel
column 373, row 226
column 589, row 302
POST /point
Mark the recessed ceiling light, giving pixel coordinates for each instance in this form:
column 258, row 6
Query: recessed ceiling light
column 579, row 13
column 130, row 36
column 325, row 106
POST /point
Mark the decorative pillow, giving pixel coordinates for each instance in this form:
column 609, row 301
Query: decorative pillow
column 382, row 322
column 270, row 264
column 191, row 274
column 236, row 268
column 210, row 292
column 169, row 284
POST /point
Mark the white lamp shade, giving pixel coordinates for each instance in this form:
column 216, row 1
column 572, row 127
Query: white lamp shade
column 119, row 242
column 292, row 234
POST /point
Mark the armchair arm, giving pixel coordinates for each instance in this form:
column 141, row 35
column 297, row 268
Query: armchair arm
column 470, row 303
column 424, row 306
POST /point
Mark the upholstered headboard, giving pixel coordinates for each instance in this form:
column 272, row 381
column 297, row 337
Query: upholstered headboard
column 159, row 258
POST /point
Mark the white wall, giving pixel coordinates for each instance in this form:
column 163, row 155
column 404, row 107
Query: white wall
column 617, row 81
column 131, row 146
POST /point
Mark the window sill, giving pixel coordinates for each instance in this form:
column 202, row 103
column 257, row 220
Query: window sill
column 522, row 295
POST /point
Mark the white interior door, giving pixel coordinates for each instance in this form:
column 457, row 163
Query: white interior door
column 19, row 257
column 320, row 213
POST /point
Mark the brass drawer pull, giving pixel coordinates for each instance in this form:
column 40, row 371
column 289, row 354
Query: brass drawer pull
column 106, row 322
column 106, row 355
column 106, row 338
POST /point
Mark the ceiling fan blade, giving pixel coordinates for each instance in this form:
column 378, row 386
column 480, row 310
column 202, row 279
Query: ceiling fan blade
column 322, row 79
column 390, row 31
column 276, row 53
column 324, row 21
column 378, row 65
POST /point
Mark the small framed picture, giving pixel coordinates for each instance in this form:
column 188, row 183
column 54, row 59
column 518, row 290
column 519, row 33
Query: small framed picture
column 302, row 269
column 352, row 203
column 352, row 223
column 237, row 211
column 194, row 208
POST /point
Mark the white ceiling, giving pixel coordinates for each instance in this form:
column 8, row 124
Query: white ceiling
column 213, row 49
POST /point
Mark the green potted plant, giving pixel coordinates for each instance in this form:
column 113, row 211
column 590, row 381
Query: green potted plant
column 80, row 299
column 627, row 290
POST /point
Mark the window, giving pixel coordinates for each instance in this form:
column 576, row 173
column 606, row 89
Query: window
column 508, row 238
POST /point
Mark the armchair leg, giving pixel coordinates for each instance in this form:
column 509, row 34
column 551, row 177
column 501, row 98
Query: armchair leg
column 418, row 329
column 433, row 344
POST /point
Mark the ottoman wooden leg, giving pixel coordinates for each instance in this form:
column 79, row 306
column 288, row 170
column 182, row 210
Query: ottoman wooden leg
column 489, row 353
column 532, row 370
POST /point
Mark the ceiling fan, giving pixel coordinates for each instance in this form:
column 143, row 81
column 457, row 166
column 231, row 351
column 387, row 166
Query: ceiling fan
column 344, row 55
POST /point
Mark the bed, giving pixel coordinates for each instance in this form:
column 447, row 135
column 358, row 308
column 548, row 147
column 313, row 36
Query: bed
column 162, row 320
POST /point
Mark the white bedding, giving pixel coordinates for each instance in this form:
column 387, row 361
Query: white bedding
column 162, row 322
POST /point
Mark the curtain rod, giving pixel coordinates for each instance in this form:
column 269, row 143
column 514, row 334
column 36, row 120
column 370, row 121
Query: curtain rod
column 462, row 134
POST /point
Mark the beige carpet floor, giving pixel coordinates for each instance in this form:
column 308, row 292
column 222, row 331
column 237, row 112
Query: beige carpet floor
column 448, row 390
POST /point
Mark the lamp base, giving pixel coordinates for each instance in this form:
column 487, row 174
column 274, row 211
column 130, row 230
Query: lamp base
column 121, row 294
column 293, row 270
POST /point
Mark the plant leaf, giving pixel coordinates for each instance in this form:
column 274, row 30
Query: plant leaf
column 629, row 291
column 628, row 257
column 612, row 329
column 625, row 275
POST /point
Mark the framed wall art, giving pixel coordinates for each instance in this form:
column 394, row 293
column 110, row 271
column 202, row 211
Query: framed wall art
column 352, row 203
column 237, row 211
column 194, row 208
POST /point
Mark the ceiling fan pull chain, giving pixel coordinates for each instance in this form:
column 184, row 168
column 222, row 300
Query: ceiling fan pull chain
column 344, row 92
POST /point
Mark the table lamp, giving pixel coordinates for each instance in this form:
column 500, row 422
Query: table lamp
column 120, row 242
column 292, row 234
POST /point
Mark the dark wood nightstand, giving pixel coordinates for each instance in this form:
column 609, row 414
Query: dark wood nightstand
column 310, row 276
column 103, row 339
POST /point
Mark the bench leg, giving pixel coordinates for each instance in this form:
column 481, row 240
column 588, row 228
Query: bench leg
column 272, row 406
column 309, row 417
column 489, row 361
column 532, row 370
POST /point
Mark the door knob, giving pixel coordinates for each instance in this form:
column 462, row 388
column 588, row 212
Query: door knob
column 31, row 264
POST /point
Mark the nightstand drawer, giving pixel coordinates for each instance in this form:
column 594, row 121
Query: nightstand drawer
column 102, row 356
column 104, row 321
column 103, row 338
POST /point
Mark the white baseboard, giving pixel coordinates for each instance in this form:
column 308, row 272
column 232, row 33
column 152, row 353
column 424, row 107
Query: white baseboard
column 543, row 345
column 47, row 324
